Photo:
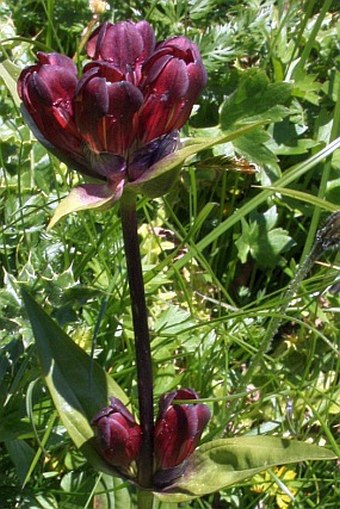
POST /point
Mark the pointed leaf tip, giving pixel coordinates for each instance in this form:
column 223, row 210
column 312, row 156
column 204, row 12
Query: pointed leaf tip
column 221, row 463
column 85, row 197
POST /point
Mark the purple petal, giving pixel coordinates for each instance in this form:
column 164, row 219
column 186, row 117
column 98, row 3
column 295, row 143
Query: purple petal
column 178, row 428
column 173, row 78
column 47, row 90
column 181, row 47
column 149, row 39
column 121, row 44
column 105, row 164
column 96, row 40
column 105, row 112
column 52, row 85
column 118, row 406
column 65, row 147
column 118, row 433
column 126, row 45
column 197, row 79
column 167, row 399
column 153, row 68
column 57, row 59
column 103, row 69
column 151, row 153
column 164, row 103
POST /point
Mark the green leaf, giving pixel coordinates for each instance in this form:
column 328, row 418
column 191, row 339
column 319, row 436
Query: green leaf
column 158, row 179
column 254, row 147
column 243, row 242
column 111, row 493
column 305, row 197
column 22, row 456
column 307, row 87
column 78, row 386
column 262, row 240
column 289, row 138
column 253, row 144
column 10, row 73
column 255, row 99
column 221, row 463
column 85, row 197
column 157, row 504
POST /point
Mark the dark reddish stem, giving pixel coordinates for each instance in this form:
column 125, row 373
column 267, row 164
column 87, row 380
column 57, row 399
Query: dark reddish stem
column 142, row 337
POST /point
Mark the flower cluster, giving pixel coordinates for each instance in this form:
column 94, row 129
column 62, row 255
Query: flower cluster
column 123, row 114
column 177, row 432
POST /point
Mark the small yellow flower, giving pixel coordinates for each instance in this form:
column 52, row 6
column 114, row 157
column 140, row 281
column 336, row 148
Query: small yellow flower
column 274, row 484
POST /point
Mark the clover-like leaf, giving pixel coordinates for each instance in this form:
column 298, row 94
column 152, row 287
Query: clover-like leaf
column 255, row 98
column 262, row 240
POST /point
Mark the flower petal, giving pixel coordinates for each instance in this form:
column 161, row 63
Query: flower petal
column 71, row 151
column 173, row 77
column 121, row 43
column 119, row 436
column 47, row 90
column 151, row 153
column 104, row 113
column 178, row 428
column 149, row 39
column 164, row 102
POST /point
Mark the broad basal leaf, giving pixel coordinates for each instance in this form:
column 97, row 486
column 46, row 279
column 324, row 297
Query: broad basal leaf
column 78, row 386
column 221, row 463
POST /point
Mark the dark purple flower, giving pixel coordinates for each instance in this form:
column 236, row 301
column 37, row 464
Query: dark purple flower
column 122, row 116
column 178, row 428
column 177, row 432
column 119, row 436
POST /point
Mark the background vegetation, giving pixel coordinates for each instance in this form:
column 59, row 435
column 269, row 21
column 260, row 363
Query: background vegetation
column 218, row 252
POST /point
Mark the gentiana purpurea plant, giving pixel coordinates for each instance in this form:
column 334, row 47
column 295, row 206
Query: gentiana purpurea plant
column 114, row 124
column 119, row 124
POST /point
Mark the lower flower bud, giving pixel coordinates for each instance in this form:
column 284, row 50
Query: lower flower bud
column 178, row 428
column 119, row 436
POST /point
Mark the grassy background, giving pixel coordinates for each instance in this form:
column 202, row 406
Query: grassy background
column 218, row 253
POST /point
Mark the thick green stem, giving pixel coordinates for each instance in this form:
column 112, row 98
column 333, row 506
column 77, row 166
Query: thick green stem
column 144, row 499
column 142, row 337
